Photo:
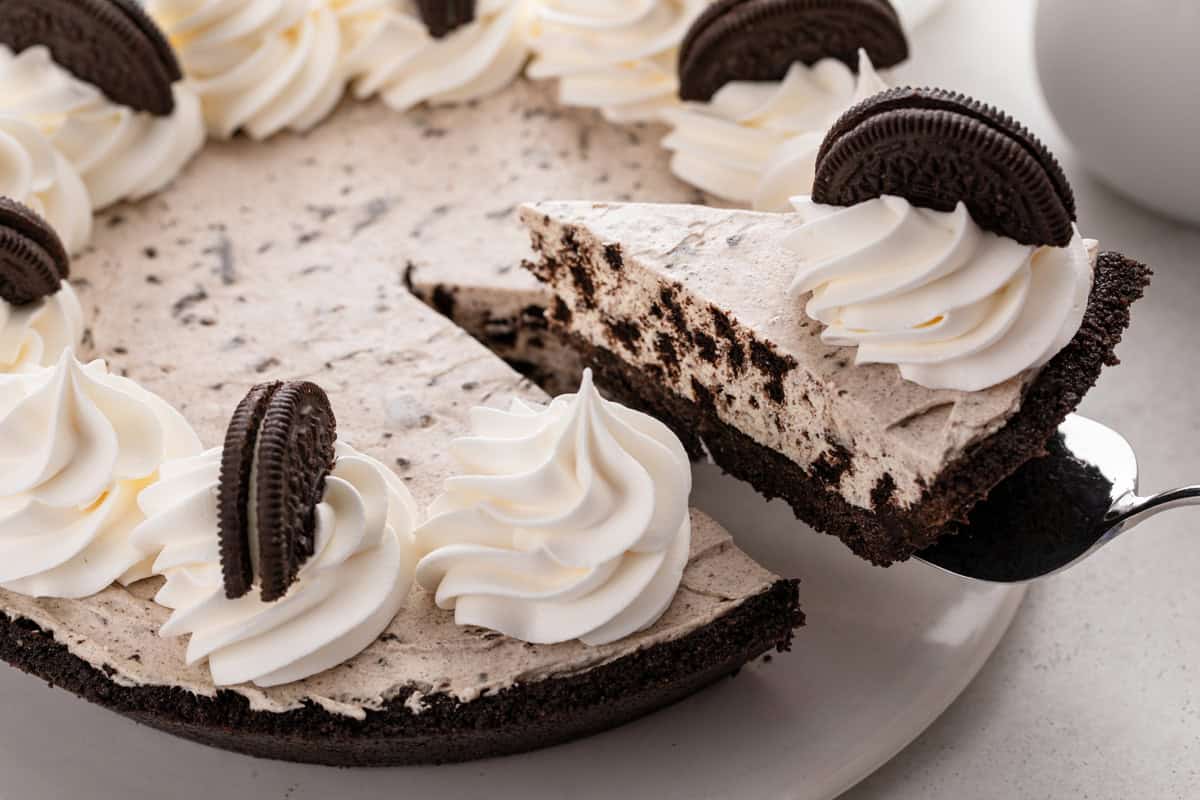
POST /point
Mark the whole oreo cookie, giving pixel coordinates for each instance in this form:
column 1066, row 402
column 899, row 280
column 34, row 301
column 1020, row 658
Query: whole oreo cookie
column 111, row 44
column 33, row 261
column 442, row 17
column 283, row 435
column 759, row 40
column 233, row 490
column 937, row 148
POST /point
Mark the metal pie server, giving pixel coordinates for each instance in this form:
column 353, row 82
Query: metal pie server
column 1055, row 511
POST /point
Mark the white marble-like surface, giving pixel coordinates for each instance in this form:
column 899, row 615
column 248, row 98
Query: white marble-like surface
column 1095, row 691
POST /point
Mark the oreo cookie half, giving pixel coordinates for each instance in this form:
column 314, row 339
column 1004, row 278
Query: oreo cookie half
column 111, row 44
column 283, row 435
column 33, row 261
column 442, row 17
column 759, row 40
column 936, row 148
column 295, row 454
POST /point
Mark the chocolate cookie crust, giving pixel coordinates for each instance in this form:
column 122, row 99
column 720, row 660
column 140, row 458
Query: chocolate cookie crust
column 525, row 717
column 1059, row 502
column 890, row 533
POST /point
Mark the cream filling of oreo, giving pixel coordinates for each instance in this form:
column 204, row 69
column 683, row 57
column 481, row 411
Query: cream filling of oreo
column 251, row 512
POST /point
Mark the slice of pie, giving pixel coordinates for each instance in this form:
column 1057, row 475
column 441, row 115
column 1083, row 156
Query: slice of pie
column 978, row 327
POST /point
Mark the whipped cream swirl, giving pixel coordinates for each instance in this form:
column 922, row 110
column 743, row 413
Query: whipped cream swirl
column 570, row 522
column 619, row 56
column 347, row 593
column 33, row 172
column 37, row 334
column 381, row 38
column 953, row 305
column 394, row 56
column 77, row 444
column 121, row 154
column 261, row 66
column 756, row 142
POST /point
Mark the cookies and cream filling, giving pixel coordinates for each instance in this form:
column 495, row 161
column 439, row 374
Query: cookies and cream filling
column 569, row 521
column 119, row 153
column 77, row 445
column 755, row 143
column 954, row 306
column 347, row 592
column 685, row 268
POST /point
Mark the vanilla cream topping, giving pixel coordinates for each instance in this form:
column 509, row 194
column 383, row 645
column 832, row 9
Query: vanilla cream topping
column 620, row 56
column 257, row 65
column 346, row 594
column 953, row 305
column 396, row 58
column 570, row 522
column 77, row 444
column 37, row 334
column 120, row 154
column 756, row 143
column 33, row 172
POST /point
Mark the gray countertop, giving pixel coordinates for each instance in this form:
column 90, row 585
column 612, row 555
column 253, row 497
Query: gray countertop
column 1095, row 691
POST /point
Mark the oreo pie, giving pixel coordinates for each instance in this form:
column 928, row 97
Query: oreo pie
column 882, row 397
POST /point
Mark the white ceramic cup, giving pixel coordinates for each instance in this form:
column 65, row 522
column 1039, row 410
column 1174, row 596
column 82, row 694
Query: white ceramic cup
column 1123, row 80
